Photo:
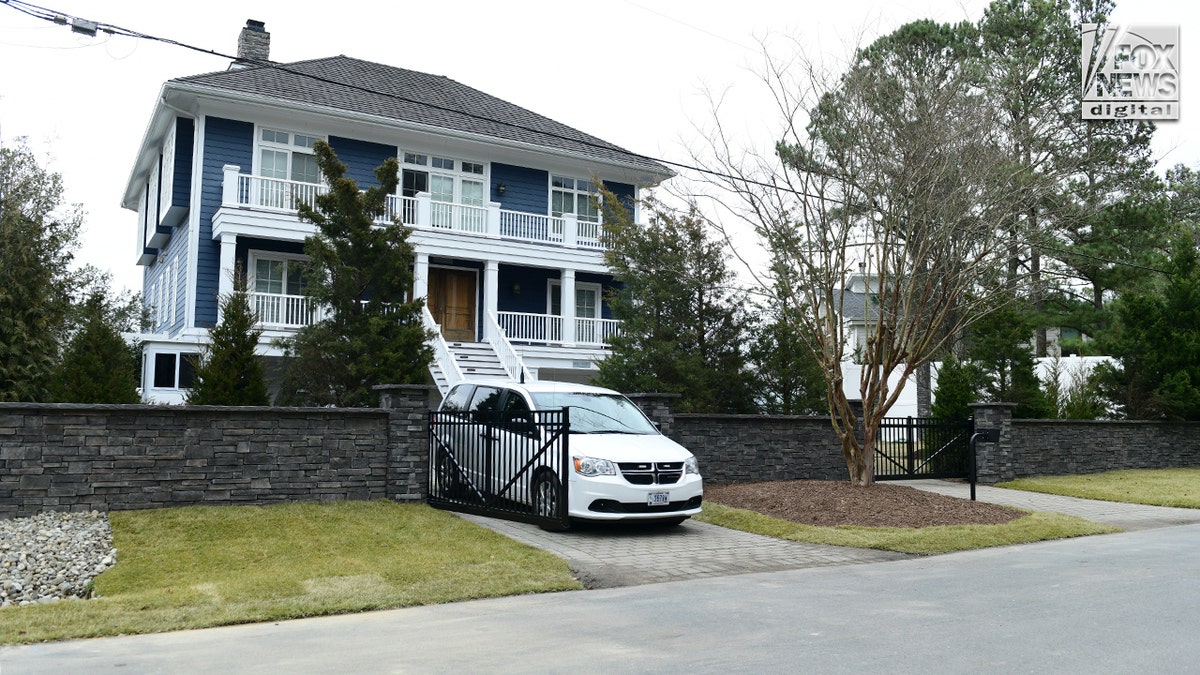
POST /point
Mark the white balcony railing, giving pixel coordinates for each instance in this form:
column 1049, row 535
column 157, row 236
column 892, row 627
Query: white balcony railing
column 548, row 329
column 534, row 328
column 420, row 212
column 285, row 311
column 596, row 331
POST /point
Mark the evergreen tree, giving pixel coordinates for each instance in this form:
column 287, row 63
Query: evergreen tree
column 98, row 365
column 230, row 373
column 787, row 375
column 999, row 348
column 684, row 327
column 1157, row 343
column 37, row 237
column 958, row 385
column 361, row 275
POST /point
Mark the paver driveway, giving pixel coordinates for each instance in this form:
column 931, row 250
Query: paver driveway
column 613, row 555
column 610, row 555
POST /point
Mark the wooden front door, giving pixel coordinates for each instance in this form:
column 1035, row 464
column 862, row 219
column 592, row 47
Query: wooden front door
column 452, row 302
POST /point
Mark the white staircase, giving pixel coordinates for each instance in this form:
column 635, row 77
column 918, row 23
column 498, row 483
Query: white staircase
column 494, row 359
column 475, row 360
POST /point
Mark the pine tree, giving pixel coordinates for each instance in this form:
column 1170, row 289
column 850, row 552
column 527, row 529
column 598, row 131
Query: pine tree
column 230, row 373
column 37, row 236
column 361, row 273
column 683, row 329
column 97, row 365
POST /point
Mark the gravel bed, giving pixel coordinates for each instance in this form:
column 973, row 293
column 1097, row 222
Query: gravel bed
column 53, row 556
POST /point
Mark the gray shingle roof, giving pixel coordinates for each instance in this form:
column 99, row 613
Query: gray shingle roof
column 352, row 85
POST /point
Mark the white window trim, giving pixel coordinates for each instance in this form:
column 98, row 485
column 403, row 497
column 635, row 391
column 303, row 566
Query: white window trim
column 579, row 286
column 252, row 258
column 290, row 147
column 457, row 173
column 573, row 190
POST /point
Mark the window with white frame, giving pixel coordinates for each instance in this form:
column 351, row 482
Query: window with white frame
column 449, row 182
column 174, row 370
column 587, row 299
column 287, row 156
column 574, row 195
column 278, row 289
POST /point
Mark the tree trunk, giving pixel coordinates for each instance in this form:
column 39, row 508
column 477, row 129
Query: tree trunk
column 924, row 389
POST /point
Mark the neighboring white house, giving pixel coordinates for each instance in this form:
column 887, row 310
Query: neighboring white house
column 499, row 199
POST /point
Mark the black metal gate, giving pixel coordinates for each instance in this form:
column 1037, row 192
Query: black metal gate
column 923, row 447
column 512, row 467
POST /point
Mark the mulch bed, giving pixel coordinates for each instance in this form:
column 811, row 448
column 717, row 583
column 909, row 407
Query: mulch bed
column 833, row 503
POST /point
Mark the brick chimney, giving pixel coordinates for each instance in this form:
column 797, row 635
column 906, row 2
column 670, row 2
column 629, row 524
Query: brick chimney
column 254, row 44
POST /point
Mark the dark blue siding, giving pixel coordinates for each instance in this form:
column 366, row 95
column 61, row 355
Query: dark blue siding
column 247, row 244
column 225, row 142
column 533, row 282
column 526, row 190
column 361, row 158
column 624, row 192
column 181, row 191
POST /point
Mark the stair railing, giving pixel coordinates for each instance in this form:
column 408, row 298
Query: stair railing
column 512, row 362
column 441, row 352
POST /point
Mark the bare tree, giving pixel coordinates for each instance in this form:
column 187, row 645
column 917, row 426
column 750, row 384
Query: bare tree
column 891, row 174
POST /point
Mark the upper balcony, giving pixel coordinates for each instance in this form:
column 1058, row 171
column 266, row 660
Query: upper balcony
column 421, row 212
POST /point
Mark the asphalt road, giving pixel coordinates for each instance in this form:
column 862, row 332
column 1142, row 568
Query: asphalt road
column 1121, row 603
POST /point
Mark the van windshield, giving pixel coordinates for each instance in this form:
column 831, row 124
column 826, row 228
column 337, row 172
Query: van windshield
column 596, row 413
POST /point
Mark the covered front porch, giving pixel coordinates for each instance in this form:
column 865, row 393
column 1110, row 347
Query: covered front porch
column 469, row 299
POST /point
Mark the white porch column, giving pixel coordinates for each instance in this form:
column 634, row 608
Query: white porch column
column 567, row 304
column 491, row 295
column 228, row 267
column 421, row 277
column 229, row 185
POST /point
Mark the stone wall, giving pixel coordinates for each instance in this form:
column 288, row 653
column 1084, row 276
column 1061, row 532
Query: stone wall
column 753, row 448
column 82, row 457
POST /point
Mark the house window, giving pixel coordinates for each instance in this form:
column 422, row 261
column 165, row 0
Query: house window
column 175, row 371
column 571, row 195
column 278, row 290
column 587, row 299
column 449, row 182
column 287, row 156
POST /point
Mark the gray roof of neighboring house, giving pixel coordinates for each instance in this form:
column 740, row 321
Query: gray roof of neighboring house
column 854, row 305
column 352, row 85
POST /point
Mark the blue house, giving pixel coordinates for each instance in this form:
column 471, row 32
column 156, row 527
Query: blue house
column 499, row 200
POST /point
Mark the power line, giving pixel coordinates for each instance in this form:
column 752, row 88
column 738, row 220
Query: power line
column 88, row 27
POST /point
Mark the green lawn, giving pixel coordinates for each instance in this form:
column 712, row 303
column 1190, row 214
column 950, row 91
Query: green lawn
column 210, row 566
column 1157, row 487
column 924, row 540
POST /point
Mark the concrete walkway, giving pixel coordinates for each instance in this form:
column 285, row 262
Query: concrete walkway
column 1117, row 514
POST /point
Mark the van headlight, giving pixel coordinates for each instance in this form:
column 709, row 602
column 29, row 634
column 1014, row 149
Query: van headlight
column 690, row 465
column 594, row 466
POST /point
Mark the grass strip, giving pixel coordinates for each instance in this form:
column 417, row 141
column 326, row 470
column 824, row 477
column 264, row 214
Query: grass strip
column 1036, row 526
column 1155, row 487
column 199, row 567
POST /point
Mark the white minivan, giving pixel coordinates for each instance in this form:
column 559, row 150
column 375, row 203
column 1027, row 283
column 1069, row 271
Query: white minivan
column 619, row 466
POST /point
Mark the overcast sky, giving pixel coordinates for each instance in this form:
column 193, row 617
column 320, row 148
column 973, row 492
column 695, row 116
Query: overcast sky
column 632, row 75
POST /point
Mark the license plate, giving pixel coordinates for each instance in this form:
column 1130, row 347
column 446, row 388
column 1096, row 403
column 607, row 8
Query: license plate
column 658, row 499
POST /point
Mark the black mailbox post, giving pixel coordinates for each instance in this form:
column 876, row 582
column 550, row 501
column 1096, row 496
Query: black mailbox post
column 987, row 436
